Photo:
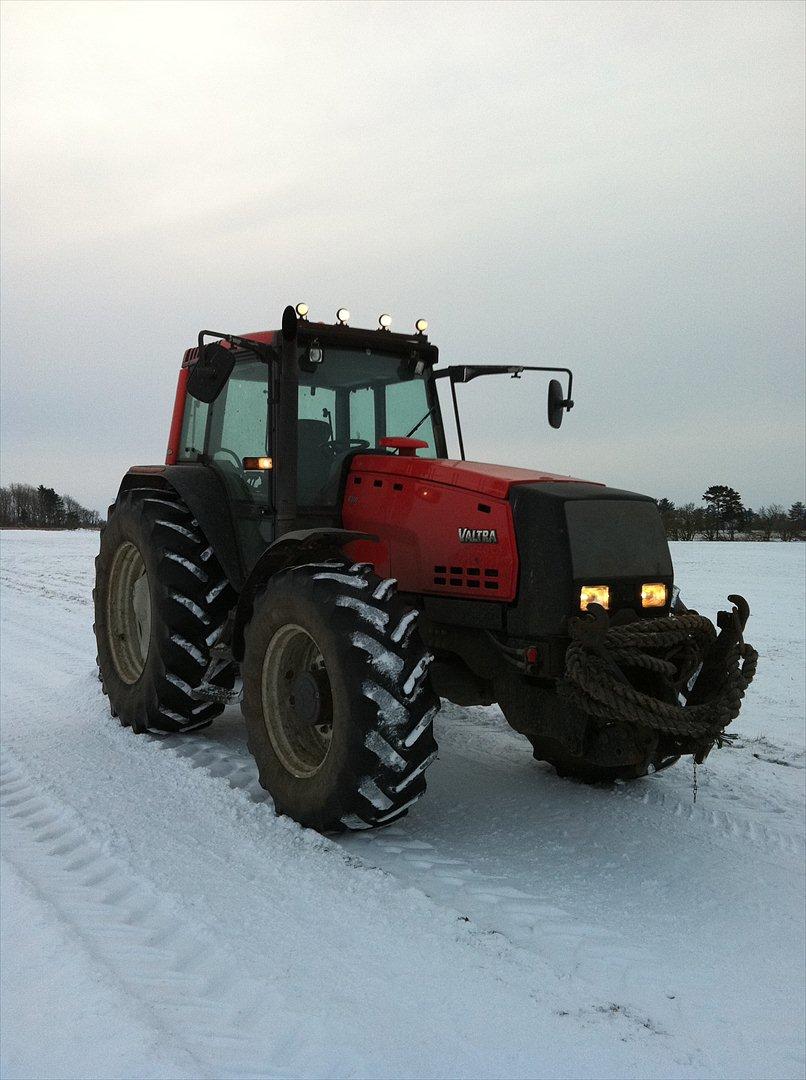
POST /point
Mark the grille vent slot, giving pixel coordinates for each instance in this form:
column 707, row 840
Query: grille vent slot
column 467, row 577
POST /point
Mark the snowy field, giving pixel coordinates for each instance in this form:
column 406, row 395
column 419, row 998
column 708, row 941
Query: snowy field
column 159, row 921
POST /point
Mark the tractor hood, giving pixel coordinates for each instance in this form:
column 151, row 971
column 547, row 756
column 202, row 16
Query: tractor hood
column 494, row 481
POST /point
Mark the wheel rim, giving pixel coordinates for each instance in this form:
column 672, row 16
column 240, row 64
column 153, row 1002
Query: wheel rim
column 297, row 701
column 129, row 613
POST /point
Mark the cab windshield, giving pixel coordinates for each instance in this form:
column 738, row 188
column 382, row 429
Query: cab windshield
column 350, row 400
column 363, row 395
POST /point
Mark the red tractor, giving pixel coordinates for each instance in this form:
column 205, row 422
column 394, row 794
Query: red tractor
column 309, row 532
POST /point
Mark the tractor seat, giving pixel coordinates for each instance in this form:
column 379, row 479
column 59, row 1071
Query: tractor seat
column 314, row 460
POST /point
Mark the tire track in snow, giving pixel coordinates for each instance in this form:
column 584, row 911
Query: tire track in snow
column 728, row 825
column 203, row 998
column 235, row 765
column 491, row 901
column 494, row 900
column 175, row 975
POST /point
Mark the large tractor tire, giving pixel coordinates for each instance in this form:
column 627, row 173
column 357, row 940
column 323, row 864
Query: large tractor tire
column 336, row 696
column 161, row 606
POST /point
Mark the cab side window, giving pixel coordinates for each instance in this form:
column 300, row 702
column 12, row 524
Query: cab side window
column 239, row 426
column 362, row 415
column 315, row 455
column 194, row 425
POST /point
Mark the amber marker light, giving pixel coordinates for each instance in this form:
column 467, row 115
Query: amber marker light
column 421, row 326
column 594, row 594
column 257, row 464
column 302, row 310
column 653, row 594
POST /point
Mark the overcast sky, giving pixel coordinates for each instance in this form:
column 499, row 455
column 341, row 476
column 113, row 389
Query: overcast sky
column 615, row 187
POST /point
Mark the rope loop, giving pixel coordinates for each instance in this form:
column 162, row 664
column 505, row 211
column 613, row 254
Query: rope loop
column 683, row 649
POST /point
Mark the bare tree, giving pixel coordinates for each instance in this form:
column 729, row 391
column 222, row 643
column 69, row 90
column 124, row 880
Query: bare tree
column 24, row 506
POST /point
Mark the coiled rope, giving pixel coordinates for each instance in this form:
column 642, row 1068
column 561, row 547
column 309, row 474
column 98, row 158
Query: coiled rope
column 673, row 647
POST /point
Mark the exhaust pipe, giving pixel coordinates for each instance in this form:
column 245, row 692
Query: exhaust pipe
column 284, row 404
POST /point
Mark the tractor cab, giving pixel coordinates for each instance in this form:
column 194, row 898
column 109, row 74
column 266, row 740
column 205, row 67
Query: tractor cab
column 279, row 416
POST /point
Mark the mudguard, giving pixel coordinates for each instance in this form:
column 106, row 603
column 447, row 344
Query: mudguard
column 204, row 493
column 293, row 549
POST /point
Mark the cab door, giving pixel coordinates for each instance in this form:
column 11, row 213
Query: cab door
column 238, row 428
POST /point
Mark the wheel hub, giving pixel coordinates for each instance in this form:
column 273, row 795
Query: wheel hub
column 310, row 698
column 128, row 610
column 297, row 701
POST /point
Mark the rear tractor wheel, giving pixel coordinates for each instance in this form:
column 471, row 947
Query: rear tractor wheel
column 337, row 702
column 161, row 607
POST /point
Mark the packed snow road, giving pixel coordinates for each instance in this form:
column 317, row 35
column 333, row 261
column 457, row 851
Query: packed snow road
column 159, row 920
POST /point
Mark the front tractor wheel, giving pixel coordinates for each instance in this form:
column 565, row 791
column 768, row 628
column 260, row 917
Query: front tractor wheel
column 337, row 703
column 161, row 607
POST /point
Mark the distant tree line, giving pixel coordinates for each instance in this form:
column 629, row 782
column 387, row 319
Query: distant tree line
column 724, row 517
column 24, row 506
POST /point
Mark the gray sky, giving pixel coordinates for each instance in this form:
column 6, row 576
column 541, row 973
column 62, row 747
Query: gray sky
column 615, row 187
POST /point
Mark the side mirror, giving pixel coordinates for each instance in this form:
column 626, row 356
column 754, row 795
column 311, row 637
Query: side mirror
column 556, row 403
column 212, row 369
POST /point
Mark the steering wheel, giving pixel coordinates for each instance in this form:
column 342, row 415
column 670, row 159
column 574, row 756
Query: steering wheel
column 342, row 446
column 242, row 483
column 232, row 454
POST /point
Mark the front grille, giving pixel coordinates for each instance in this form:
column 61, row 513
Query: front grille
column 467, row 577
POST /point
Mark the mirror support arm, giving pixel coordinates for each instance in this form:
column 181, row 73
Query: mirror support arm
column 260, row 349
column 464, row 373
column 458, row 421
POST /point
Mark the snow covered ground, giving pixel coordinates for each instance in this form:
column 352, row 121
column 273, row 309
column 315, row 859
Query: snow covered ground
column 159, row 921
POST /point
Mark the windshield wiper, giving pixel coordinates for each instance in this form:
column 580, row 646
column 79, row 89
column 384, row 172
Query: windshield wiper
column 420, row 423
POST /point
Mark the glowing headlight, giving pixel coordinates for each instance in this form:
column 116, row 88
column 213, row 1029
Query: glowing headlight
column 302, row 310
column 421, row 326
column 257, row 464
column 385, row 321
column 594, row 594
column 343, row 315
column 654, row 594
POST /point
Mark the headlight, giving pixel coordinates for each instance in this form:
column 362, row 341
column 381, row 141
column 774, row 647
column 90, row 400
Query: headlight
column 594, row 594
column 654, row 594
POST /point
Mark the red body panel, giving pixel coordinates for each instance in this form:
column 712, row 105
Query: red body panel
column 492, row 480
column 178, row 416
column 268, row 337
column 419, row 507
